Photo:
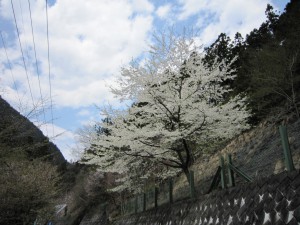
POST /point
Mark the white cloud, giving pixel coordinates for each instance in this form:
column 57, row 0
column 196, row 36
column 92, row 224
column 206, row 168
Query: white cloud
column 214, row 17
column 84, row 112
column 142, row 6
column 163, row 11
column 89, row 40
column 191, row 7
column 236, row 17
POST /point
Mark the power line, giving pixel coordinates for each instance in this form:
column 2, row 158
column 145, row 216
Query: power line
column 36, row 63
column 9, row 65
column 21, row 8
column 25, row 67
column 49, row 70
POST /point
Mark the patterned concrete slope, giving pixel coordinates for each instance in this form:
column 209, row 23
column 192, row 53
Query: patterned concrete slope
column 274, row 200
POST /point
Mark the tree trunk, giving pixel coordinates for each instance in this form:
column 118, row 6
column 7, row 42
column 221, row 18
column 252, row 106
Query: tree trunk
column 187, row 161
column 187, row 173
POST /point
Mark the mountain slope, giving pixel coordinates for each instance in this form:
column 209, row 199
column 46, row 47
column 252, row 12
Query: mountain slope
column 20, row 137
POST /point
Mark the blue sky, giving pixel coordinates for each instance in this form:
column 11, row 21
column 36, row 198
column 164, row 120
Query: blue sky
column 89, row 41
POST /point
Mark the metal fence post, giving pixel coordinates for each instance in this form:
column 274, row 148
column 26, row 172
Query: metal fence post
column 286, row 148
column 170, row 191
column 125, row 207
column 144, row 202
column 192, row 184
column 222, row 165
column 132, row 206
column 136, row 204
column 122, row 208
column 155, row 197
column 230, row 172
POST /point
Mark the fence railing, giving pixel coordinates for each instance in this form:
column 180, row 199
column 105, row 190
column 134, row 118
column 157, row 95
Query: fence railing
column 224, row 177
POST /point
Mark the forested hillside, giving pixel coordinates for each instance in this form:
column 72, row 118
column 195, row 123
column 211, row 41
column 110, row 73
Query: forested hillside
column 35, row 178
column 31, row 169
column 20, row 137
column 267, row 65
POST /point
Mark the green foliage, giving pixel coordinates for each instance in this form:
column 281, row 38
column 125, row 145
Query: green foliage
column 229, row 52
column 268, row 64
column 220, row 50
column 274, row 78
column 266, row 32
column 273, row 61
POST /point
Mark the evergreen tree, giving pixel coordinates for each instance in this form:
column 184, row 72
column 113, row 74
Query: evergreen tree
column 272, row 61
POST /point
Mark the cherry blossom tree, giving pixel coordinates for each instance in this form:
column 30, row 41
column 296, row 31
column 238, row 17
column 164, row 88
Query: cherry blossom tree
column 178, row 104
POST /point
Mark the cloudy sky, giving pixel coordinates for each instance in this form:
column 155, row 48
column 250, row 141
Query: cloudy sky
column 89, row 40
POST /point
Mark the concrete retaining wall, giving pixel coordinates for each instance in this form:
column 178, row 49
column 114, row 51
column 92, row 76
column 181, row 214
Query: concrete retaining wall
column 274, row 200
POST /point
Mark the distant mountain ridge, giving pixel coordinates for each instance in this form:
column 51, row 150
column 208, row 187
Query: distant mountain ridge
column 19, row 134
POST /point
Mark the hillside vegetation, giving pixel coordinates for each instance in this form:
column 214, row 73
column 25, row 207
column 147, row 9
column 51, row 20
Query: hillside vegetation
column 31, row 169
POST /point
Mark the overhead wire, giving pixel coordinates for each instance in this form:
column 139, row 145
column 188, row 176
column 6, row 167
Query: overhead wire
column 49, row 69
column 36, row 63
column 10, row 68
column 23, row 58
column 20, row 28
column 35, row 111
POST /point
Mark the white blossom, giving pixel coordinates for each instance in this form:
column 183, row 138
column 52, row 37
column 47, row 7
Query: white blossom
column 177, row 102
